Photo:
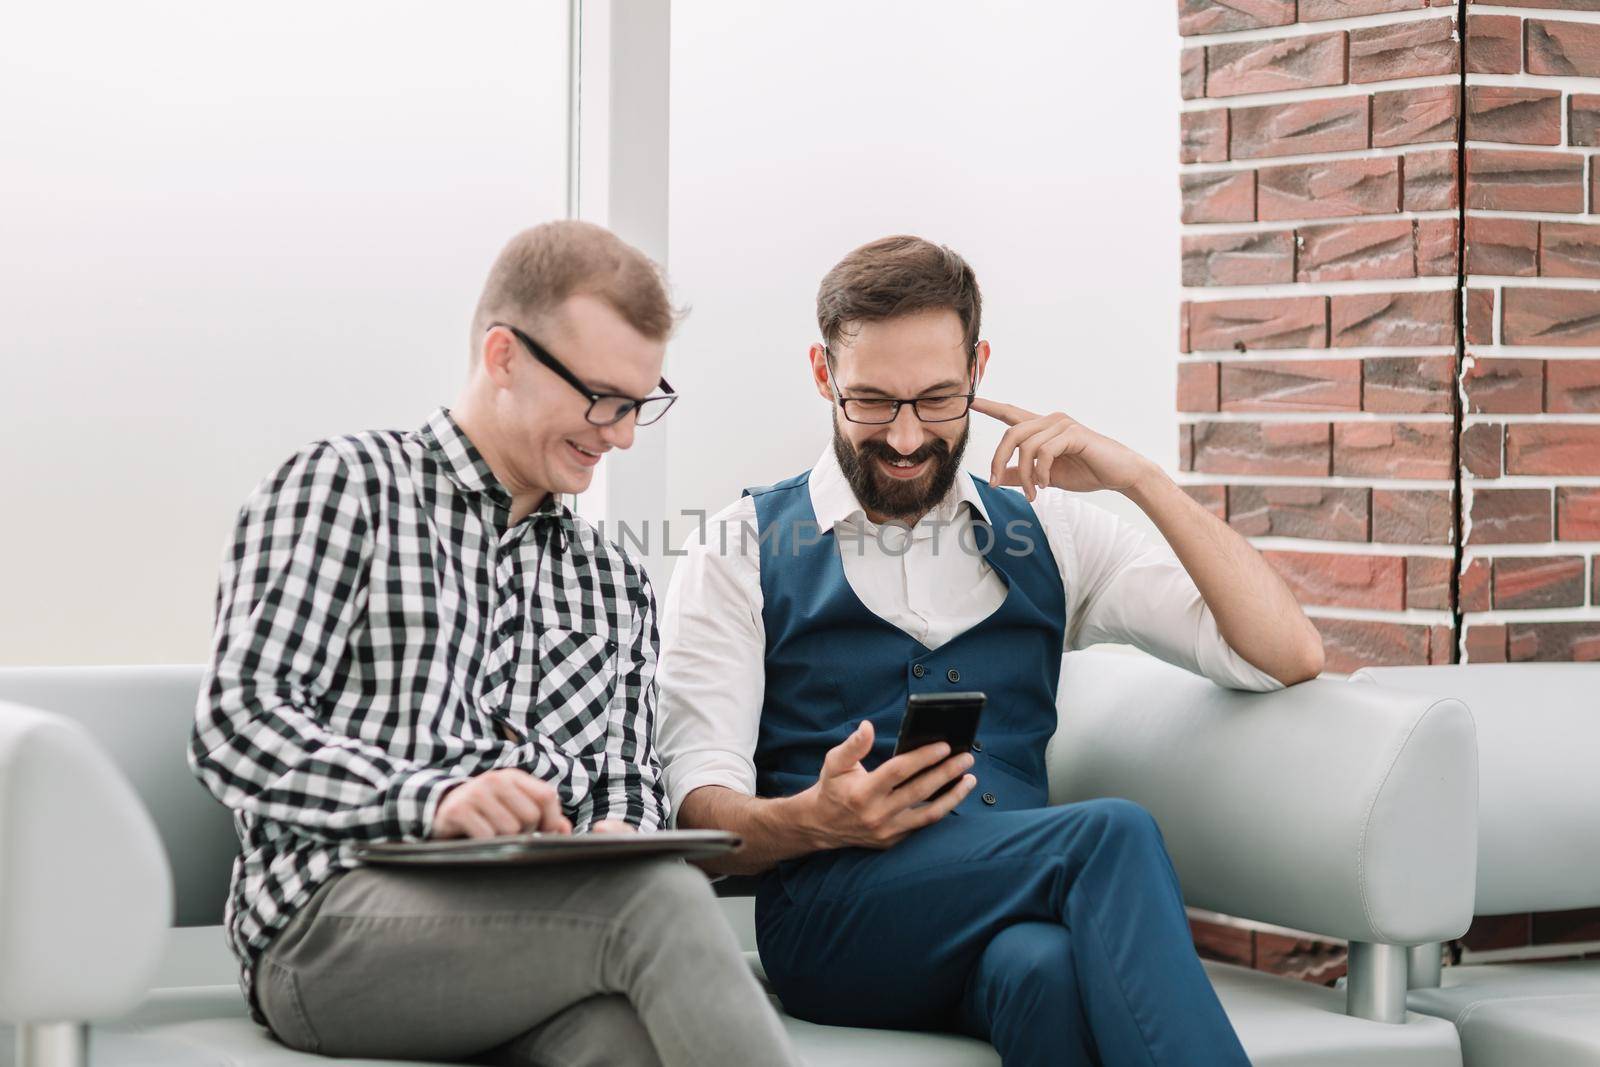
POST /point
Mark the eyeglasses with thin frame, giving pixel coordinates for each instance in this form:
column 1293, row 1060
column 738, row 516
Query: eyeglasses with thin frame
column 876, row 411
column 605, row 409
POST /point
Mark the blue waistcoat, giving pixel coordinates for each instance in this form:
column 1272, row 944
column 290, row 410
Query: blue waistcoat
column 830, row 662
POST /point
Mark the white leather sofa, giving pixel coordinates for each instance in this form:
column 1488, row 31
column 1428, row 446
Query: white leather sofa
column 1345, row 810
column 1538, row 850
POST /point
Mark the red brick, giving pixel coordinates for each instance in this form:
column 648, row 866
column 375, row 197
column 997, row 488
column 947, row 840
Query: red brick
column 1548, row 448
column 1509, row 516
column 1480, row 316
column 1292, row 385
column 1577, row 514
column 1583, row 119
column 1299, row 128
column 1219, row 196
column 1321, row 10
column 1569, row 250
column 1332, row 189
column 1431, row 180
column 1572, row 386
column 1281, row 322
column 1414, row 116
column 1428, row 582
column 1316, row 511
column 1310, row 61
column 1343, row 581
column 1214, row 498
column 1494, row 44
column 1504, row 385
column 1347, row 250
column 1226, row 944
column 1403, row 50
column 1481, row 445
column 1186, row 446
column 1437, row 241
column 1221, row 16
column 1192, row 73
column 1259, row 258
column 1197, row 387
column 1513, row 116
column 1281, row 448
column 1524, row 181
column 1486, row 644
column 1563, row 317
column 1203, row 136
column 1412, row 516
column 1564, row 927
column 1508, row 247
column 1407, row 383
column 1393, row 319
column 1498, row 931
column 1393, row 449
column 1538, row 582
column 1351, row 644
column 1557, row 642
column 1569, row 48
column 1316, row 960
column 1473, row 589
column 1442, row 644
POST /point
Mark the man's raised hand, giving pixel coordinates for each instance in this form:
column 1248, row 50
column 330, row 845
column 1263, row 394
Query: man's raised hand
column 1057, row 450
column 851, row 806
column 499, row 803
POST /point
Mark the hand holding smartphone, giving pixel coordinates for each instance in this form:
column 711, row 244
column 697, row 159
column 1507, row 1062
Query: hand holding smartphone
column 933, row 717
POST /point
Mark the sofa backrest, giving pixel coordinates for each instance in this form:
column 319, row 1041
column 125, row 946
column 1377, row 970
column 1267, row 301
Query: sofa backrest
column 1539, row 777
column 142, row 718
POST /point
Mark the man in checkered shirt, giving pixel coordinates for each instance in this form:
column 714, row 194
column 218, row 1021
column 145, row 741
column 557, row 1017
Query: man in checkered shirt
column 415, row 639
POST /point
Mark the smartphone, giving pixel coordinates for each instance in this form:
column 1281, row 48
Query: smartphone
column 948, row 717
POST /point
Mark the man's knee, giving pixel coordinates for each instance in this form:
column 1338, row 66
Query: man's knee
column 667, row 893
column 1122, row 819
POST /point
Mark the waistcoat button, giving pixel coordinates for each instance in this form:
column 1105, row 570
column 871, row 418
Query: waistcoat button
column 977, row 746
column 988, row 798
column 953, row 674
column 917, row 670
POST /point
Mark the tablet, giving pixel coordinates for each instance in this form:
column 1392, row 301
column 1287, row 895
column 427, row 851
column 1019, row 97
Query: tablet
column 536, row 848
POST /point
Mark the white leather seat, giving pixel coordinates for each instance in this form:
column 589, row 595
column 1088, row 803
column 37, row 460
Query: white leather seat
column 1538, row 730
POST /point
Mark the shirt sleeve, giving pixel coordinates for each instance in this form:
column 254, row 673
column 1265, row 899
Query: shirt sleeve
column 713, row 660
column 292, row 590
column 633, row 788
column 1125, row 587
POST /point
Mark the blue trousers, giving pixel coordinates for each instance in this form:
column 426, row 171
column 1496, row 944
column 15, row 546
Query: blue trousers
column 1058, row 934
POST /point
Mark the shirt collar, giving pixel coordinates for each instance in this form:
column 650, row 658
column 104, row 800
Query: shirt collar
column 442, row 436
column 834, row 501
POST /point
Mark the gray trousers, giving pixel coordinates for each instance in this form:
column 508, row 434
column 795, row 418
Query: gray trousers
column 616, row 964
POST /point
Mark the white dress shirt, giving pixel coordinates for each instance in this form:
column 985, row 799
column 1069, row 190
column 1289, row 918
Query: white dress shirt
column 930, row 582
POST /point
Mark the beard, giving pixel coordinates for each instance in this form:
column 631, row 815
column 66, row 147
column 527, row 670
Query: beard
column 896, row 498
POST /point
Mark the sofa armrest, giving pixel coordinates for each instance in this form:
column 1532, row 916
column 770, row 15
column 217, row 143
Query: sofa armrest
column 1345, row 810
column 85, row 892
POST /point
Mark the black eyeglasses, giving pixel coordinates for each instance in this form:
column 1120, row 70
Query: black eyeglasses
column 605, row 409
column 876, row 411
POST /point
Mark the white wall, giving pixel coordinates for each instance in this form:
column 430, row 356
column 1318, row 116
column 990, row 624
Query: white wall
column 224, row 232
column 1039, row 140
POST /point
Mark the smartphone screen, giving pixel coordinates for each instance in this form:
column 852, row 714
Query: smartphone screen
column 948, row 717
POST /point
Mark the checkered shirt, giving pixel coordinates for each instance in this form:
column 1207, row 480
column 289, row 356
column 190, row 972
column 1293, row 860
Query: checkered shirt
column 383, row 632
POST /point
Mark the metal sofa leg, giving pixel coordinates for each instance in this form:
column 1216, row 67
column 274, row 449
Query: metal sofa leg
column 1376, row 988
column 1424, row 965
column 52, row 1045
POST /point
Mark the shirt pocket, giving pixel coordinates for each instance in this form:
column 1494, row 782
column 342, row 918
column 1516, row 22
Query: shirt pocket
column 575, row 677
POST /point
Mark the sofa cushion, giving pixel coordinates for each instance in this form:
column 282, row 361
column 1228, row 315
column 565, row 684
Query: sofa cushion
column 1521, row 1014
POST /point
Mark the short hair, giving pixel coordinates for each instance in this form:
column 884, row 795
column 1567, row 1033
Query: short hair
column 541, row 267
column 895, row 276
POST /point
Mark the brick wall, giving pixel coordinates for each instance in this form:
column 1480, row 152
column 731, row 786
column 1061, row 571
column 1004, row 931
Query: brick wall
column 1409, row 434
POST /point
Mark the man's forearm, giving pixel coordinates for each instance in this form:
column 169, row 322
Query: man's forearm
column 1255, row 611
column 772, row 829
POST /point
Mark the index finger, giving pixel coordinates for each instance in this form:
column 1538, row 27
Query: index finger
column 1009, row 414
column 900, row 769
